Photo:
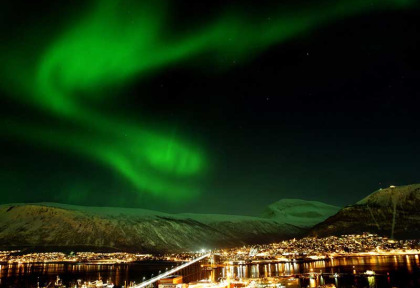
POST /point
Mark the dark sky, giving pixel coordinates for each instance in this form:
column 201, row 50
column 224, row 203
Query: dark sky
column 328, row 113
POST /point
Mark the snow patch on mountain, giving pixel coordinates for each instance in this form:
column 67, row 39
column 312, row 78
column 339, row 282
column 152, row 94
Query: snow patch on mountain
column 300, row 213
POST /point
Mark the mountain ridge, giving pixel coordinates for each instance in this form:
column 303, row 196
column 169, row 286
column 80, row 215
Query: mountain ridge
column 47, row 224
column 375, row 213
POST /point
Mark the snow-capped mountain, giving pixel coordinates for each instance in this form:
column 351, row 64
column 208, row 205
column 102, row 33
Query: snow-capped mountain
column 299, row 212
column 378, row 213
column 51, row 225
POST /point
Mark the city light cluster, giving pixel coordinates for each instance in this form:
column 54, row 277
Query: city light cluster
column 313, row 248
column 17, row 256
column 54, row 257
column 309, row 248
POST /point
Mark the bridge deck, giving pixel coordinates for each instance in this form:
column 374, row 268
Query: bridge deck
column 170, row 272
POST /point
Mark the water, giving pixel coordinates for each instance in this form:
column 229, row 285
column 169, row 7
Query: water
column 394, row 271
column 27, row 275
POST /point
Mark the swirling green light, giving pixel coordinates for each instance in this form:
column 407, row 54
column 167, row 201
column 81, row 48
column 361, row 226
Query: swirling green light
column 118, row 41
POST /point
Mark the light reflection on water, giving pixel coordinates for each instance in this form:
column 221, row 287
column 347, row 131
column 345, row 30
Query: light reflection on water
column 394, row 271
column 27, row 275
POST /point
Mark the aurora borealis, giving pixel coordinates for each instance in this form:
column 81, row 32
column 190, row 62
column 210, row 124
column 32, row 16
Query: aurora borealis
column 71, row 76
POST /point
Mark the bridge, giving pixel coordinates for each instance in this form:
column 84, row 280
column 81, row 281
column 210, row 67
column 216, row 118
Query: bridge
column 170, row 272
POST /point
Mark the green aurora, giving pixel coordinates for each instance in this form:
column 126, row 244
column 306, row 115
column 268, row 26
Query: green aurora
column 116, row 42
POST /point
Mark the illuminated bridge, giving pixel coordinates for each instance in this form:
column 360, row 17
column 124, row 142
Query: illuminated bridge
column 170, row 272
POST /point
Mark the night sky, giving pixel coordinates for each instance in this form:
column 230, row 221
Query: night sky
column 207, row 106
